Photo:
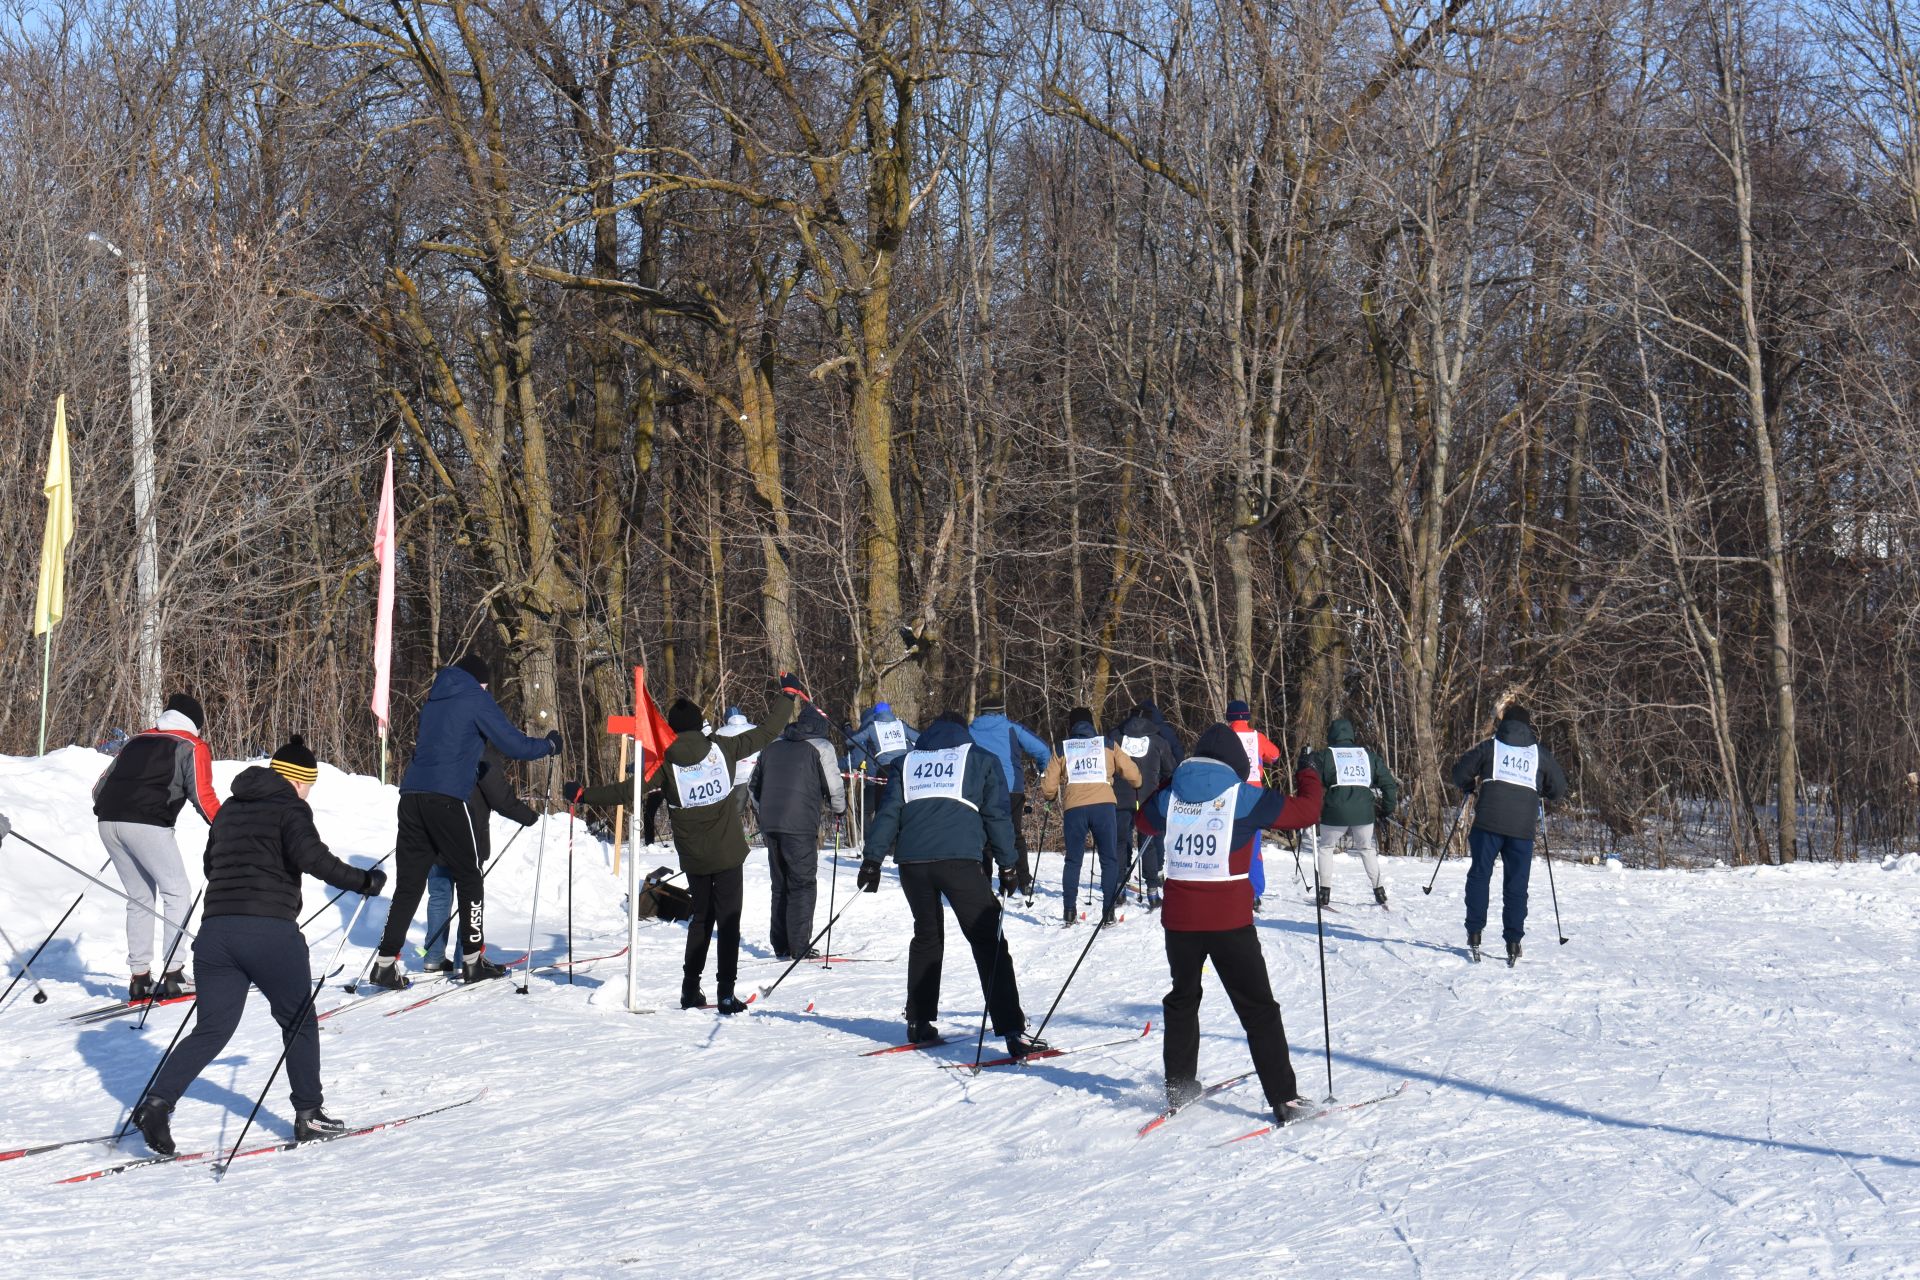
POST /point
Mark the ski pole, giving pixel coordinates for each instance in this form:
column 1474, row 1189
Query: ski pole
column 140, row 1097
column 795, row 962
column 299, row 1019
column 1558, row 928
column 1320, row 928
column 1447, row 847
column 833, row 891
column 166, row 964
column 1097, row 931
column 97, row 881
column 539, row 860
column 44, row 941
column 1296, row 861
column 321, row 909
column 993, row 975
column 569, row 896
column 39, row 992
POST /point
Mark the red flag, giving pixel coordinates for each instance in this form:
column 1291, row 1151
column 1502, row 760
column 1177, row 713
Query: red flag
column 655, row 737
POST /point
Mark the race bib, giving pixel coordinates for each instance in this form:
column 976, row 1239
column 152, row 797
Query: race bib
column 1518, row 765
column 1250, row 743
column 1352, row 767
column 1086, row 760
column 704, row 783
column 1136, row 747
column 891, row 735
column 743, row 769
column 1200, row 838
column 935, row 775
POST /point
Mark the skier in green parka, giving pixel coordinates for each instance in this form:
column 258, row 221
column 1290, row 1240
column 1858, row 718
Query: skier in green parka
column 1360, row 791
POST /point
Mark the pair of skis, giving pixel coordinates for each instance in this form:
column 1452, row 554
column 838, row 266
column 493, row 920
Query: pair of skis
column 120, row 1008
column 196, row 1157
column 1330, row 1109
column 1009, row 1060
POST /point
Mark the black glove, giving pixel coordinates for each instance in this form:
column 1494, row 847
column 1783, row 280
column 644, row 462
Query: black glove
column 553, row 742
column 1007, row 882
column 1306, row 760
column 869, row 878
column 372, row 881
column 790, row 684
column 571, row 792
column 6, row 827
column 1467, row 790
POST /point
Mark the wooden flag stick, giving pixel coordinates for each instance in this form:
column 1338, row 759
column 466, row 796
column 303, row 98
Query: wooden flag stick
column 620, row 812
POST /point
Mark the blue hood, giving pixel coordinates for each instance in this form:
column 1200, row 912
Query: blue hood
column 1084, row 729
column 1199, row 778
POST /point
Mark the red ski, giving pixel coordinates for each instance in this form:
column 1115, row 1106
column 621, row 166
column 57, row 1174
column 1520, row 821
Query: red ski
column 104, row 1013
column 452, row 987
column 1321, row 1114
column 19, row 1153
column 1202, row 1096
column 1049, row 1053
column 194, row 1157
column 934, row 1043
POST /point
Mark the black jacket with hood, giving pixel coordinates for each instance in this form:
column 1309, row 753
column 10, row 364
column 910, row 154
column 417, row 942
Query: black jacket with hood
column 1155, row 760
column 797, row 777
column 262, row 839
column 1506, row 808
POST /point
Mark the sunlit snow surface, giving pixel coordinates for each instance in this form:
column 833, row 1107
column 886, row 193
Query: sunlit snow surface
column 1717, row 1077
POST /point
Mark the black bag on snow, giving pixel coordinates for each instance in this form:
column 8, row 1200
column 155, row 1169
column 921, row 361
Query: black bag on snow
column 662, row 900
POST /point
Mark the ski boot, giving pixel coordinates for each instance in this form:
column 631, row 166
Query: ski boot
column 1106, row 917
column 1021, row 1045
column 1380, row 894
column 440, row 964
column 311, row 1122
column 1473, row 946
column 1068, row 917
column 386, row 973
column 174, row 983
column 1181, row 1093
column 1323, row 896
column 921, row 1032
column 1153, row 901
column 1295, row 1109
column 139, row 987
column 480, row 969
column 692, row 998
column 1513, row 954
column 150, row 1118
column 730, row 1004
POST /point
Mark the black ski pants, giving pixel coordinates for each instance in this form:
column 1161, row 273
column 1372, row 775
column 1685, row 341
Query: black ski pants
column 436, row 830
column 1242, row 969
column 978, row 912
column 794, row 861
column 716, row 905
column 231, row 954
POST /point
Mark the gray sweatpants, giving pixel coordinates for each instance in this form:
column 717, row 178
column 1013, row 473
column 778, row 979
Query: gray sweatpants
column 1361, row 838
column 149, row 864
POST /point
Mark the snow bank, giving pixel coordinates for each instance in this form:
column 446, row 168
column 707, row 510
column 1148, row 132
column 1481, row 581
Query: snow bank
column 1718, row 1076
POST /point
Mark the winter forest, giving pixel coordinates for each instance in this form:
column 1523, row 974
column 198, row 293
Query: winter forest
column 1375, row 359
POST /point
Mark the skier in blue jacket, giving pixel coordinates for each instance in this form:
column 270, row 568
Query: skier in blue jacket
column 457, row 724
column 1008, row 741
column 881, row 739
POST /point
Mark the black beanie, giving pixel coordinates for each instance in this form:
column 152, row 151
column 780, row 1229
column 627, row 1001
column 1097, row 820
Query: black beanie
column 189, row 706
column 950, row 717
column 1223, row 744
column 295, row 761
column 1078, row 715
column 476, row 666
column 685, row 717
column 1518, row 715
column 993, row 704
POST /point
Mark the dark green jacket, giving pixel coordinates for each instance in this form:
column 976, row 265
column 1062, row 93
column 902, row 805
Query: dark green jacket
column 1353, row 806
column 709, row 839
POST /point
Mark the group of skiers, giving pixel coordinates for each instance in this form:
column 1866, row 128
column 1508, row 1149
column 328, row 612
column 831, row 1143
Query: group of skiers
column 946, row 804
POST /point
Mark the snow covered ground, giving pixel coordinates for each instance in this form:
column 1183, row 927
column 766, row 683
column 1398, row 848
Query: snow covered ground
column 1719, row 1076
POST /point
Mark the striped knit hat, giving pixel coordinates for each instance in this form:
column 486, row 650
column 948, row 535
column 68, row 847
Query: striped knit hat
column 295, row 761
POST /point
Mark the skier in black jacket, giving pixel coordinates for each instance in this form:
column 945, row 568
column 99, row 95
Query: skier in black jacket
column 1141, row 739
column 491, row 794
column 261, row 842
column 794, row 779
column 1512, row 774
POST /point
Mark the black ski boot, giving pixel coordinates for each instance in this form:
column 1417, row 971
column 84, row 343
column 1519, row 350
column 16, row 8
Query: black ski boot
column 1513, row 954
column 150, row 1118
column 1181, row 1093
column 442, row 965
column 921, row 1032
column 1380, row 894
column 1153, row 900
column 692, row 998
column 1021, row 1045
column 730, row 1004
column 1473, row 946
column 174, row 983
column 1106, row 917
column 1068, row 917
column 480, row 969
column 311, row 1122
column 139, row 987
column 1323, row 896
column 1296, row 1109
column 386, row 973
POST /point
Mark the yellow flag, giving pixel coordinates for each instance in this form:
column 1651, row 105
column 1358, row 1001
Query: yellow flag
column 51, row 605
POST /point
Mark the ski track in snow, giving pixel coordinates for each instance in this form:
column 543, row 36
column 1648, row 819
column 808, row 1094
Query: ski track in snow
column 1718, row 1077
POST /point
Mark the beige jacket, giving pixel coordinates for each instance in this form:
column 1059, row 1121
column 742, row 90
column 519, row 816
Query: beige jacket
column 1079, row 793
